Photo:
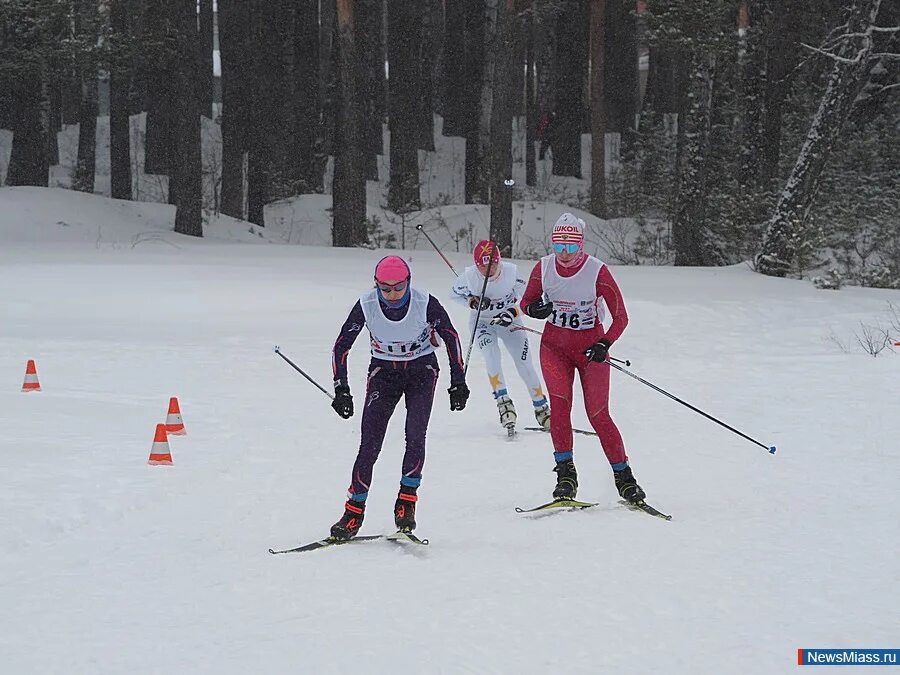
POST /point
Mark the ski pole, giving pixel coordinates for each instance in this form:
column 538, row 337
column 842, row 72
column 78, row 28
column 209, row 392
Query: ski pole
column 771, row 448
column 487, row 276
column 300, row 370
column 431, row 241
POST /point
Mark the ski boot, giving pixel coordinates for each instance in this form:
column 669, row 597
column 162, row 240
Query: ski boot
column 349, row 524
column 542, row 415
column 507, row 411
column 627, row 486
column 566, row 480
column 405, row 509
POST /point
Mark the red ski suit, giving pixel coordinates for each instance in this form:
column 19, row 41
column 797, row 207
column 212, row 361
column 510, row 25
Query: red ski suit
column 562, row 353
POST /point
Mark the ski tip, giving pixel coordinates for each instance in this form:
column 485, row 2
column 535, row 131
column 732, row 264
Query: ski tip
column 520, row 510
column 419, row 226
column 772, row 450
column 272, row 551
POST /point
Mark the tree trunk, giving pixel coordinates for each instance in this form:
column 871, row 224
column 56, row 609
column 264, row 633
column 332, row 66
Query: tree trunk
column 404, row 25
column 119, row 117
column 471, row 97
column 847, row 78
column 455, row 69
column 271, row 174
column 160, row 127
column 28, row 163
column 501, row 126
column 349, row 190
column 599, row 78
column 236, row 58
column 777, row 65
column 571, row 57
column 750, row 90
column 368, row 34
column 85, row 29
column 531, row 112
column 661, row 95
column 483, row 165
column 621, row 59
column 308, row 105
column 327, row 81
column 425, row 87
column 187, row 170
column 690, row 233
column 207, row 78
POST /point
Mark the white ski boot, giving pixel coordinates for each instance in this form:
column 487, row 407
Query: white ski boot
column 542, row 415
column 507, row 414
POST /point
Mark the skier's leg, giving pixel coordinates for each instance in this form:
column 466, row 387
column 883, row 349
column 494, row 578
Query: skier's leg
column 517, row 344
column 421, row 382
column 383, row 390
column 595, row 385
column 488, row 343
column 559, row 373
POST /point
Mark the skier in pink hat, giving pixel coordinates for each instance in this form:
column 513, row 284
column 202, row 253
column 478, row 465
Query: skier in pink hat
column 403, row 323
column 566, row 288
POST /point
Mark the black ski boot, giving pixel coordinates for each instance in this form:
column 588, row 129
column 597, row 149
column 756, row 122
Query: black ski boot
column 566, row 480
column 627, row 486
column 350, row 522
column 405, row 509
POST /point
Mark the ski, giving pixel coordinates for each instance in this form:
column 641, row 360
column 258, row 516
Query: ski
column 577, row 431
column 406, row 537
column 646, row 508
column 324, row 543
column 560, row 503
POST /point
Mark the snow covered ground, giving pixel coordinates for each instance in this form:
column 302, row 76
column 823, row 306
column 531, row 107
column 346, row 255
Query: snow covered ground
column 109, row 565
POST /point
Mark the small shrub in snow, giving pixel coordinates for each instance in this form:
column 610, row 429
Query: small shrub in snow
column 831, row 281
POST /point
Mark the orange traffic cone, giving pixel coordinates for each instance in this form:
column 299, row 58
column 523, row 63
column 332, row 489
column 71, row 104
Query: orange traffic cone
column 174, row 423
column 159, row 453
column 31, row 379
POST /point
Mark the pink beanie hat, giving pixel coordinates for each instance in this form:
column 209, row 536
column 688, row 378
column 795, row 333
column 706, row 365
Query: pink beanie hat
column 391, row 268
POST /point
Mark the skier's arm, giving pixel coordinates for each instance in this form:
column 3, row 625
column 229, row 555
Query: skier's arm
column 440, row 321
column 612, row 296
column 460, row 292
column 349, row 332
column 534, row 290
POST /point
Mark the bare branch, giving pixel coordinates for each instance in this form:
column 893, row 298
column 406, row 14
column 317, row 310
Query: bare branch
column 885, row 29
column 886, row 55
column 843, row 59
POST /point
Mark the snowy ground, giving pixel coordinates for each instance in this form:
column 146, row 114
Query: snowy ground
column 109, row 565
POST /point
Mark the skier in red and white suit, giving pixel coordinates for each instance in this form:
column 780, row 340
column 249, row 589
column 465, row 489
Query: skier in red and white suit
column 574, row 284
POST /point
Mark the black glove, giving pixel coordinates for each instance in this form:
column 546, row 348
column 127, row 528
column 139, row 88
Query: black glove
column 598, row 351
column 343, row 401
column 459, row 394
column 474, row 302
column 505, row 318
column 539, row 309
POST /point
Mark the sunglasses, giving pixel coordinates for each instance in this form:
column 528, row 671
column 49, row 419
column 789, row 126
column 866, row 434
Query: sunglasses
column 388, row 288
column 568, row 248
